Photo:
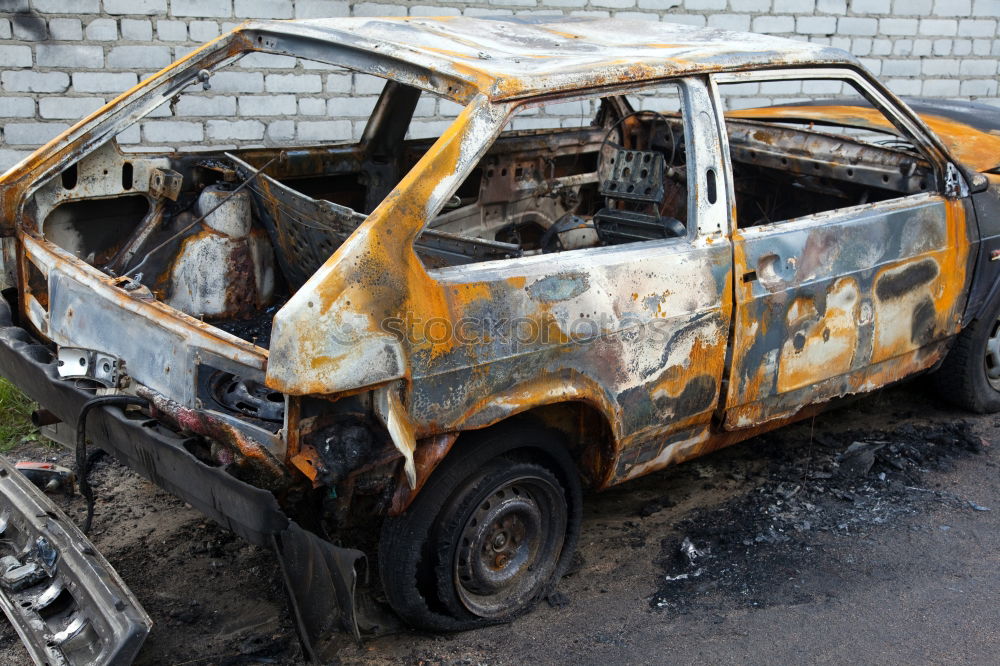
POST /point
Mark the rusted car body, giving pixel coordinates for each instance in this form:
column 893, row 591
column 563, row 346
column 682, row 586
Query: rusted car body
column 413, row 320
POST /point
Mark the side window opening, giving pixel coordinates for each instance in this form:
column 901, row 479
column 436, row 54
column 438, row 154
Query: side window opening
column 800, row 148
column 576, row 174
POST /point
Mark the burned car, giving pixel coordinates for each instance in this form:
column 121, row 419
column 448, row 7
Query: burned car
column 453, row 337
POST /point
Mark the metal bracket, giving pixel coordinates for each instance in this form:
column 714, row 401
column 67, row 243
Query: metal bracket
column 77, row 363
column 165, row 183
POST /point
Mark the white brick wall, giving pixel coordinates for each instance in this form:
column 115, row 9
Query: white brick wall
column 60, row 59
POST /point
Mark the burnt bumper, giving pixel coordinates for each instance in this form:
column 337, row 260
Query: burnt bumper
column 65, row 601
column 320, row 577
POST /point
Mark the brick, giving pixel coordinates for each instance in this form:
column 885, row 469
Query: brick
column 312, row 106
column 147, row 7
column 338, row 83
column 366, row 84
column 736, row 22
column 421, row 129
column 202, row 8
column 889, row 26
column 735, row 5
column 377, row 9
column 67, row 6
column 300, row 83
column 322, row 8
column 9, row 158
column 31, row 134
column 922, row 47
column 978, row 67
column 15, row 6
column 5, row 29
column 189, row 106
column 37, row 82
column 323, row 130
column 901, row 67
column 422, row 10
column 65, row 29
column 140, row 30
column 281, row 130
column 881, row 47
column 75, row 56
column 977, row 28
column 103, row 81
column 17, row 107
column 237, row 82
column 770, row 25
column 835, row 7
column 30, row 28
column 952, row 7
column 940, row 88
column 942, row 47
column 102, row 30
column 172, row 131
column 695, row 5
column 614, row 4
column 911, row 7
column 940, row 67
column 352, row 107
column 268, row 105
column 852, row 25
column 139, row 57
column 870, row 6
column 938, row 27
column 71, row 108
column 203, row 31
column 272, row 9
column 267, row 61
column 962, row 47
column 794, row 7
column 816, row 25
column 240, row 130
column 989, row 8
column 171, row 31
column 978, row 88
column 861, row 46
column 15, row 56
column 130, row 134
column 905, row 86
column 486, row 11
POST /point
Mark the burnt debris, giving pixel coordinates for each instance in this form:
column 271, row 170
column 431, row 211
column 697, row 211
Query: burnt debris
column 841, row 485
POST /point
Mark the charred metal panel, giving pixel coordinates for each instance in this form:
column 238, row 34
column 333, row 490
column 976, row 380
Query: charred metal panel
column 160, row 346
column 825, row 302
column 637, row 331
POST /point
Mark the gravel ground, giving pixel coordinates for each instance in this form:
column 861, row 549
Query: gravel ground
column 869, row 534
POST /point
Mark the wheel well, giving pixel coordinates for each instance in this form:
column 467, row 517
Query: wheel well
column 581, row 428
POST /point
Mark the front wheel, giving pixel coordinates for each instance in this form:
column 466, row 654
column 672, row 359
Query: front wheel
column 970, row 375
column 488, row 537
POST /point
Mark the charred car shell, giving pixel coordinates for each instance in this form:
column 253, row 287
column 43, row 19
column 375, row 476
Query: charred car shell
column 362, row 393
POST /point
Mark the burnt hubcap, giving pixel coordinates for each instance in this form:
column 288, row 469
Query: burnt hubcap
column 510, row 546
column 993, row 356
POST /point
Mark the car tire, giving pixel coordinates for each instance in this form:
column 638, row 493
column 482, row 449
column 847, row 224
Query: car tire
column 491, row 533
column 969, row 377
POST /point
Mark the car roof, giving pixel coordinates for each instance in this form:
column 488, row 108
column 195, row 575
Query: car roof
column 514, row 57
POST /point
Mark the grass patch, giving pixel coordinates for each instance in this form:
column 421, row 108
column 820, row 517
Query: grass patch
column 15, row 416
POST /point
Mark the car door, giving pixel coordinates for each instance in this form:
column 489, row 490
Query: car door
column 635, row 330
column 843, row 300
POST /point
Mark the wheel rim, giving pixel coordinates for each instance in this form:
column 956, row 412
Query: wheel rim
column 510, row 546
column 992, row 358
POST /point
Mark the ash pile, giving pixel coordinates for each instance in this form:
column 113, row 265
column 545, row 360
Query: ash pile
column 805, row 497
